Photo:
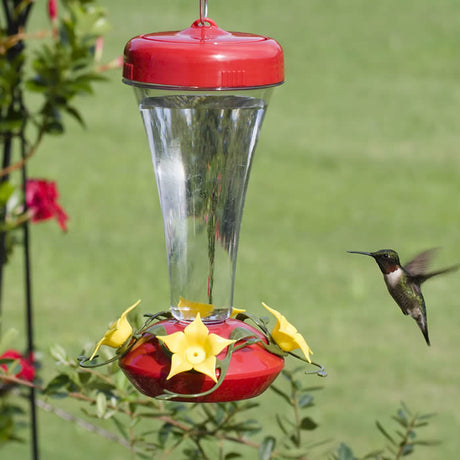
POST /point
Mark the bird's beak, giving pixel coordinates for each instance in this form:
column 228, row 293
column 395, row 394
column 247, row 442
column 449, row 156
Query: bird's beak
column 361, row 252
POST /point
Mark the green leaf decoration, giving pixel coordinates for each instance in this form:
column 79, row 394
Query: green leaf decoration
column 266, row 448
column 241, row 333
column 275, row 349
column 156, row 329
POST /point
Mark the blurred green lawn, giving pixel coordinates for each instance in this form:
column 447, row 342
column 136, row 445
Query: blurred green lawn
column 359, row 150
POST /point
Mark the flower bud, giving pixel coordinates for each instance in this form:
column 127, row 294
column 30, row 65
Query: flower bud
column 52, row 9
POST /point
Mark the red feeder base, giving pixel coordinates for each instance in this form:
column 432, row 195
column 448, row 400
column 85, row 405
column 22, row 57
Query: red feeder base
column 251, row 371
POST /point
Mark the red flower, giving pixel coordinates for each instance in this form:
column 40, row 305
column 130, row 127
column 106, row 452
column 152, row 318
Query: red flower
column 41, row 200
column 52, row 9
column 27, row 371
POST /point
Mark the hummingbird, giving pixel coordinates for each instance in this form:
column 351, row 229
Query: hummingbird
column 403, row 282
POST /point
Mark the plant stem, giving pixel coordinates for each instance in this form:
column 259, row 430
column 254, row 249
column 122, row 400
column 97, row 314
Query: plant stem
column 200, row 448
column 295, row 407
column 8, row 169
column 81, row 423
column 405, row 440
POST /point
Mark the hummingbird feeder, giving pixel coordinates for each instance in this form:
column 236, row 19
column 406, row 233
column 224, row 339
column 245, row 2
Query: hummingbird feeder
column 203, row 93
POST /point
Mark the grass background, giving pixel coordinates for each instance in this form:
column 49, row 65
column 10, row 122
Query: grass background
column 359, row 150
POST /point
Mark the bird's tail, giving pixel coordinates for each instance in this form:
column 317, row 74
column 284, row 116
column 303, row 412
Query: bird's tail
column 425, row 334
column 420, row 319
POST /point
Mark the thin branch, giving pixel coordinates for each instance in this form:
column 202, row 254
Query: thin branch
column 405, row 440
column 20, row 164
column 82, row 423
column 163, row 418
column 11, row 40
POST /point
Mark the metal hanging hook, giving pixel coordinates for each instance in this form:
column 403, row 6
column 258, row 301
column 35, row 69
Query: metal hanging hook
column 203, row 11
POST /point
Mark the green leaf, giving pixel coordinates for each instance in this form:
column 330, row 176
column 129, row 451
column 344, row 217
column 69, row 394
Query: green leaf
column 248, row 426
column 407, row 449
column 101, row 405
column 426, row 416
column 420, row 424
column 305, row 401
column 401, row 418
column 281, row 393
column 59, row 382
column 75, row 114
column 121, row 428
column 376, row 454
column 14, row 366
column 292, row 452
column 266, row 448
column 10, row 335
column 54, row 127
column 101, row 386
column 143, row 456
column 385, row 433
column 280, row 422
column 37, row 85
column 12, row 122
column 164, row 433
column 405, row 408
column 345, row 453
column 84, row 377
column 426, row 443
column 308, row 424
column 59, row 354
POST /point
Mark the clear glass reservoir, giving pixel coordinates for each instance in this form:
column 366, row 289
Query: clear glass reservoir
column 202, row 146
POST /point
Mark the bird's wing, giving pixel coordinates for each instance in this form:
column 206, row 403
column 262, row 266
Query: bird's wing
column 419, row 264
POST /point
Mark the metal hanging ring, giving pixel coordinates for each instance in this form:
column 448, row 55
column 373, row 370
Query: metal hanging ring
column 203, row 11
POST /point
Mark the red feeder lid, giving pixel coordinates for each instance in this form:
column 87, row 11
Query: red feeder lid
column 203, row 57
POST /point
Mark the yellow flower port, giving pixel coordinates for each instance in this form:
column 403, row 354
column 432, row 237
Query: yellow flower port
column 286, row 335
column 118, row 333
column 195, row 348
column 190, row 309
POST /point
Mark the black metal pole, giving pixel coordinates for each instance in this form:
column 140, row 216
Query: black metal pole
column 14, row 24
column 5, row 163
column 29, row 315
